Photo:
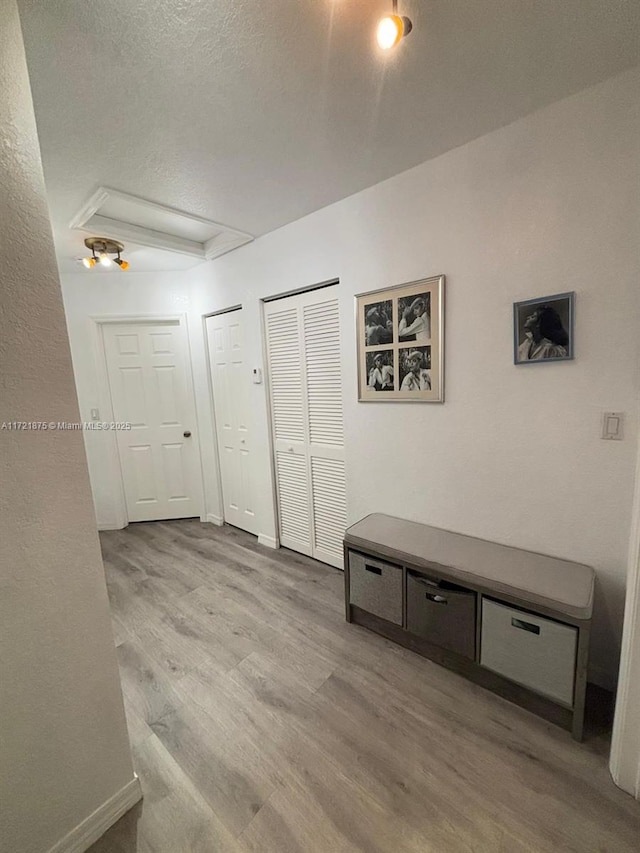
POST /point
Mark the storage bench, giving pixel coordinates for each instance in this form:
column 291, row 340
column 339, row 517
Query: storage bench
column 511, row 620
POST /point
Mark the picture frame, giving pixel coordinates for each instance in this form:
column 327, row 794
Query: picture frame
column 400, row 338
column 543, row 329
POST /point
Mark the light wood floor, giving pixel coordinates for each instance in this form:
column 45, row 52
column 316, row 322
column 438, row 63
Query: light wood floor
column 261, row 721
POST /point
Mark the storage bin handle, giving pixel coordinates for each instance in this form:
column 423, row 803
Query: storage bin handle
column 437, row 599
column 376, row 570
column 525, row 626
column 425, row 581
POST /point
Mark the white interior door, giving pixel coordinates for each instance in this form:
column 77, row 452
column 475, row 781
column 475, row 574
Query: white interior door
column 230, row 381
column 147, row 366
column 304, row 367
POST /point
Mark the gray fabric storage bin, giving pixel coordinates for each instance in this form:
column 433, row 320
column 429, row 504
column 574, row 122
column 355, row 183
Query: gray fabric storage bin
column 536, row 652
column 376, row 586
column 442, row 613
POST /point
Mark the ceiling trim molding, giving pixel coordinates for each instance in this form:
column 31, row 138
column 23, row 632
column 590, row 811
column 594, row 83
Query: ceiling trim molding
column 225, row 242
column 87, row 210
column 89, row 220
column 124, row 231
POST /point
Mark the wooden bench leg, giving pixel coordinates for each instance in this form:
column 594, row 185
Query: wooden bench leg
column 346, row 585
column 577, row 729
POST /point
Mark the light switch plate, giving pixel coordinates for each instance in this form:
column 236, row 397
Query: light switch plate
column 612, row 426
column 256, row 375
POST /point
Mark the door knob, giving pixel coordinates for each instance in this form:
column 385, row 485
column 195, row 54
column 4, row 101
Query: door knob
column 187, row 433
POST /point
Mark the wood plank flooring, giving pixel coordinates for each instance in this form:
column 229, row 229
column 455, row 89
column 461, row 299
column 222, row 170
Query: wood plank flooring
column 261, row 721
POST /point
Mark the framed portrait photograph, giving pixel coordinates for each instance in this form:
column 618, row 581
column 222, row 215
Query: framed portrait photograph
column 401, row 343
column 543, row 329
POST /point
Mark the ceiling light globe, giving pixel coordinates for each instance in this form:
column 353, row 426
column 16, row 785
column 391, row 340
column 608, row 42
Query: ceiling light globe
column 86, row 262
column 390, row 31
column 105, row 260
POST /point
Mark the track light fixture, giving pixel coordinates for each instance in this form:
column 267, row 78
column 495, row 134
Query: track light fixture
column 101, row 248
column 392, row 29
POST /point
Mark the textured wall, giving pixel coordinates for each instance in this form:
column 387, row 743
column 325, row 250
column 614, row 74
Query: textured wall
column 545, row 205
column 64, row 740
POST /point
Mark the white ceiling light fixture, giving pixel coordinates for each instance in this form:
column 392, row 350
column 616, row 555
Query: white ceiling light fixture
column 392, row 29
column 101, row 248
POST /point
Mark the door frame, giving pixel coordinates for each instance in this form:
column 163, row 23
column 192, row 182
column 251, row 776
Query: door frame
column 214, row 519
column 105, row 402
column 624, row 758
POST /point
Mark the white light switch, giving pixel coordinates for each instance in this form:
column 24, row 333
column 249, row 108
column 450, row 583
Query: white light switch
column 95, row 415
column 257, row 375
column 612, row 425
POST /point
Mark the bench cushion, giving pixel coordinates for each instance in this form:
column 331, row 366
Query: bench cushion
column 560, row 585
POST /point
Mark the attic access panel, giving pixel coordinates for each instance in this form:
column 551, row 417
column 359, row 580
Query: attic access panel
column 124, row 217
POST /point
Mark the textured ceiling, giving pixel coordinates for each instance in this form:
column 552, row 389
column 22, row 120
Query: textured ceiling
column 254, row 113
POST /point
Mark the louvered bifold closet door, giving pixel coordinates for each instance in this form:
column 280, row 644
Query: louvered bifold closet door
column 288, row 418
column 303, row 346
column 321, row 330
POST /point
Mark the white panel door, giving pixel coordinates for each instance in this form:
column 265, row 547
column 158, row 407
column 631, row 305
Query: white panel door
column 147, row 366
column 231, row 381
column 303, row 347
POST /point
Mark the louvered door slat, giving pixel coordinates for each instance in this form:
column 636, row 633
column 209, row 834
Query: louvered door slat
column 294, row 507
column 323, row 374
column 285, row 375
column 329, row 507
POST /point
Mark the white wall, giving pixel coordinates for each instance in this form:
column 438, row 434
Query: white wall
column 65, row 751
column 545, row 205
column 98, row 294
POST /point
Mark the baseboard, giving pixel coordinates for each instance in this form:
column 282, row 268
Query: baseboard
column 95, row 826
column 112, row 525
column 214, row 519
column 268, row 541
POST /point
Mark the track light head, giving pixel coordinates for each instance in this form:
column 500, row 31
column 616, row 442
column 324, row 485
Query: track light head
column 393, row 28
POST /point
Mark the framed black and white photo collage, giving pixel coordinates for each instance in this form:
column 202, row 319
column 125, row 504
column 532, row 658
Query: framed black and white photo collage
column 401, row 343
